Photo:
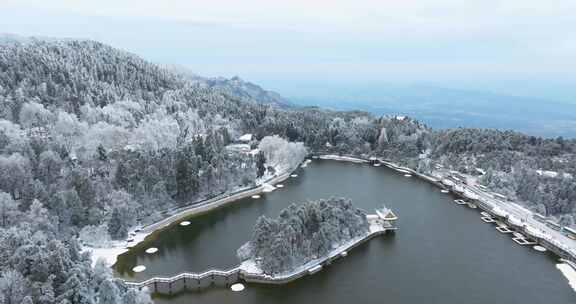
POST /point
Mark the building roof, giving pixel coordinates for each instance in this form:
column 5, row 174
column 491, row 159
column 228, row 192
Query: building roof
column 386, row 214
column 245, row 137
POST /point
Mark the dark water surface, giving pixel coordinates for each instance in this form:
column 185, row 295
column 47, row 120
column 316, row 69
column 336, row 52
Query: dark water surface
column 442, row 252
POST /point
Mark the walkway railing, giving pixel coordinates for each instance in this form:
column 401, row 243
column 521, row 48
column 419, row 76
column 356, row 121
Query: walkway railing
column 216, row 201
column 552, row 244
column 193, row 281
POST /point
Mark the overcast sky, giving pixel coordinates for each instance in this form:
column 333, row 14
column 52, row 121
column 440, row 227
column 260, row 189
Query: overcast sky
column 314, row 47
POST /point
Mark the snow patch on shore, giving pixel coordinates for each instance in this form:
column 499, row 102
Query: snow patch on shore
column 569, row 273
column 250, row 266
column 267, row 188
column 111, row 252
column 306, row 163
column 109, row 255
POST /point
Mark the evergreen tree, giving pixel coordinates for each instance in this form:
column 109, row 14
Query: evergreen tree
column 102, row 156
column 109, row 293
column 121, row 177
column 116, row 226
column 260, row 164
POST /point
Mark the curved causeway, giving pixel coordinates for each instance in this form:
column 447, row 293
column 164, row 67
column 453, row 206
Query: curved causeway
column 443, row 253
column 225, row 278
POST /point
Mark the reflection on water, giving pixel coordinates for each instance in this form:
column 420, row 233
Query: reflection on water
column 442, row 253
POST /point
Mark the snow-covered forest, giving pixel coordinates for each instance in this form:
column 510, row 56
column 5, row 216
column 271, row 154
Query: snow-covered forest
column 537, row 172
column 94, row 140
column 303, row 232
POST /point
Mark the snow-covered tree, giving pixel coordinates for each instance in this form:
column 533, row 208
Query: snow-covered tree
column 280, row 153
column 303, row 232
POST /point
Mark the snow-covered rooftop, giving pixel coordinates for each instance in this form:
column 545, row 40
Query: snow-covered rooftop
column 245, row 138
column 239, row 147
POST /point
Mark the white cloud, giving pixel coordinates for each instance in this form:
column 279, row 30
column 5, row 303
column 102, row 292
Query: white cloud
column 409, row 39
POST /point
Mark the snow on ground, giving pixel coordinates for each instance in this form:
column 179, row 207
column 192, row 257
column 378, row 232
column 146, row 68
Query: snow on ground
column 305, row 163
column 305, row 267
column 471, row 195
column 375, row 228
column 109, row 255
column 521, row 207
column 268, row 188
column 250, row 266
column 548, row 173
column 569, row 273
column 342, row 158
column 245, row 137
column 111, row 252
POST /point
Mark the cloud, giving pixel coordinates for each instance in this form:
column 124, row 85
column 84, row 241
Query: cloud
column 304, row 39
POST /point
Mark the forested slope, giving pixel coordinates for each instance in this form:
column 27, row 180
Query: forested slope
column 94, row 139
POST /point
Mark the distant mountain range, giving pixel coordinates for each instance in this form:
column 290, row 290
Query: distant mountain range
column 438, row 107
column 451, row 108
column 235, row 86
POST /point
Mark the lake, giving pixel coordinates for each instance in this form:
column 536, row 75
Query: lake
column 442, row 252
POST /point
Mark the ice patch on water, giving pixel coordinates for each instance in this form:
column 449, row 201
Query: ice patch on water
column 152, row 250
column 237, row 287
column 139, row 268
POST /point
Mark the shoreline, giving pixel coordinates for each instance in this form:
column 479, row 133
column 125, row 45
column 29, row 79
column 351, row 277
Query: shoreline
column 111, row 253
column 568, row 269
column 249, row 272
column 555, row 242
column 486, row 200
column 116, row 248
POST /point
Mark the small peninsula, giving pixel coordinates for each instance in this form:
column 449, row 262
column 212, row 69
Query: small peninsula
column 302, row 233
